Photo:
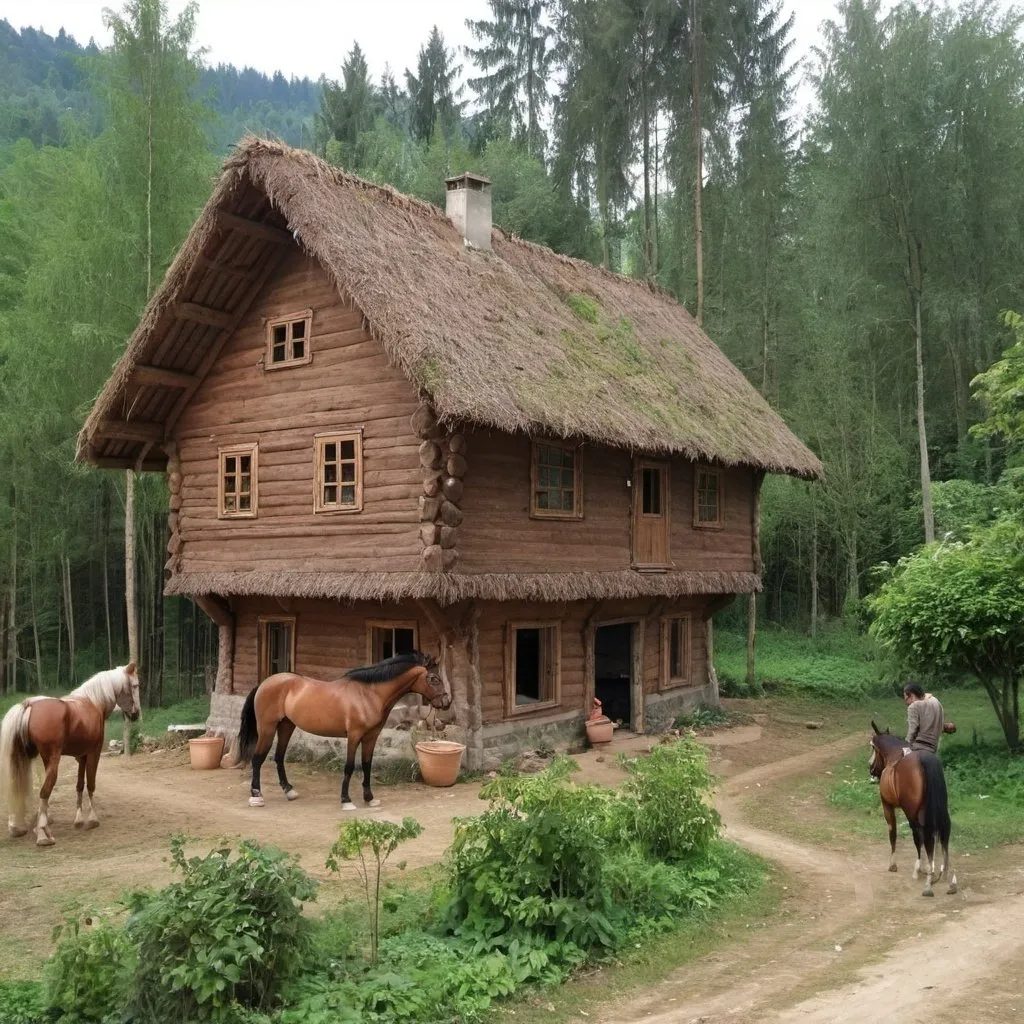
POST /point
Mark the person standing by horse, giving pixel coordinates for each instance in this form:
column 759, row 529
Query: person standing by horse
column 925, row 718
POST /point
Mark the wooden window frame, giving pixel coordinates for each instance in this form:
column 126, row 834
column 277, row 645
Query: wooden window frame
column 319, row 441
column 252, row 450
column 576, row 512
column 513, row 710
column 305, row 315
column 698, row 523
column 372, row 624
column 664, row 466
column 668, row 681
column 262, row 648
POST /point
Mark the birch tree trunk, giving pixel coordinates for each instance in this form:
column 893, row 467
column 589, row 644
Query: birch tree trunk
column 131, row 606
column 698, row 147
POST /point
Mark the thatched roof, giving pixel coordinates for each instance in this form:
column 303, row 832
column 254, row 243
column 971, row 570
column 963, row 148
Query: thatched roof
column 450, row 588
column 519, row 338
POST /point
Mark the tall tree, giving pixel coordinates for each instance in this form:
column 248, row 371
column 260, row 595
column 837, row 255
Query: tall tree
column 516, row 57
column 348, row 108
column 434, row 94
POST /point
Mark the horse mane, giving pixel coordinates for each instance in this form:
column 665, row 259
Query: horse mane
column 887, row 741
column 388, row 669
column 103, row 688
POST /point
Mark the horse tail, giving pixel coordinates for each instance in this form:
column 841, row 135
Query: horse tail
column 248, row 729
column 936, row 802
column 15, row 761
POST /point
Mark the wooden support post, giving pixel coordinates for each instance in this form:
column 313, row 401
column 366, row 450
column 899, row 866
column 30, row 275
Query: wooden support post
column 755, row 544
column 218, row 609
column 589, row 637
column 638, row 676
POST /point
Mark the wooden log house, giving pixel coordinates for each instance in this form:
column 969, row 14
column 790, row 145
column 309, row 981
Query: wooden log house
column 384, row 426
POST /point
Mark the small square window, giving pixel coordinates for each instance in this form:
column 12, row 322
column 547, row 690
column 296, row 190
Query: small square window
column 707, row 497
column 532, row 667
column 386, row 639
column 237, row 481
column 556, row 491
column 276, row 646
column 675, row 642
column 338, row 473
column 288, row 339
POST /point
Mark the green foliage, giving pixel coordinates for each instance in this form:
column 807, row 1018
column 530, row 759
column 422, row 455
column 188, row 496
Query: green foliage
column 672, row 818
column 1001, row 387
column 90, row 975
column 230, row 931
column 585, row 307
column 703, row 716
column 956, row 609
column 22, row 1002
column 370, row 842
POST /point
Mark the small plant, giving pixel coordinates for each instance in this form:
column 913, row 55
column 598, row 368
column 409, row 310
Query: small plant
column 703, row 716
column 22, row 1002
column 366, row 838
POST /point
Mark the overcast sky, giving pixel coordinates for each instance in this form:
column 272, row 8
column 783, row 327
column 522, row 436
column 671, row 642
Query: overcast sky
column 310, row 37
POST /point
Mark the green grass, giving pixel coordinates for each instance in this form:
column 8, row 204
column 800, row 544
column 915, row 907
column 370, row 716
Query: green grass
column 836, row 664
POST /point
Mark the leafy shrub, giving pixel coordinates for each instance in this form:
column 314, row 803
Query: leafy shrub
column 703, row 716
column 89, row 975
column 230, row 931
column 22, row 1002
column 669, row 815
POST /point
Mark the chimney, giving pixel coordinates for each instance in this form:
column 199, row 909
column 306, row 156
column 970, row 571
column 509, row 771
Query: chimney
column 469, row 208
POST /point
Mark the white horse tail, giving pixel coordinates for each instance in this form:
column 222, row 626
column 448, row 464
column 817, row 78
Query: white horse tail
column 15, row 763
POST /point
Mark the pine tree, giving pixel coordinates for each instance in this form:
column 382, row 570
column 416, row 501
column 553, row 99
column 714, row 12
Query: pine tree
column 433, row 94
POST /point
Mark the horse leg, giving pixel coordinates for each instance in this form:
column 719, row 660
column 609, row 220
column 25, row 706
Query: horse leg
column 51, row 759
column 285, row 728
column 369, row 742
column 953, row 888
column 918, row 832
column 92, row 762
column 351, row 743
column 80, row 789
column 929, row 850
column 890, row 820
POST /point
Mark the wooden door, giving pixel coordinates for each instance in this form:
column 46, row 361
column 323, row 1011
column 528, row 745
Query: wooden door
column 650, row 514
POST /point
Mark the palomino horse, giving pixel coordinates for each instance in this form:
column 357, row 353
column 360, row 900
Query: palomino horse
column 48, row 727
column 356, row 706
column 913, row 781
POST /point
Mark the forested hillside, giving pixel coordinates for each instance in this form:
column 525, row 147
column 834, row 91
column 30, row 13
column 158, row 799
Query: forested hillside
column 854, row 259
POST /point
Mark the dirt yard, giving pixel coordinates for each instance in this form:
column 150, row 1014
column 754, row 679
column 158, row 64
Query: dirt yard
column 849, row 942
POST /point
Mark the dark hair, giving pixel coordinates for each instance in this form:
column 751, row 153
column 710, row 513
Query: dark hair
column 913, row 689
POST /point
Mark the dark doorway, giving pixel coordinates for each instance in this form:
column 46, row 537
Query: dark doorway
column 613, row 671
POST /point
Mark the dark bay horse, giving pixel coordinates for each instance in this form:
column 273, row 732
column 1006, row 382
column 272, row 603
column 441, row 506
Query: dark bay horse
column 356, row 706
column 914, row 782
column 48, row 727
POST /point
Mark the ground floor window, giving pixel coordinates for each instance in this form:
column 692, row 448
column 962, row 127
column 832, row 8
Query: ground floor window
column 532, row 666
column 675, row 650
column 386, row 639
column 277, row 645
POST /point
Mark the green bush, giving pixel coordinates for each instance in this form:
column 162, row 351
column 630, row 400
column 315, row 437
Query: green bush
column 230, row 931
column 89, row 976
column 22, row 1002
column 669, row 817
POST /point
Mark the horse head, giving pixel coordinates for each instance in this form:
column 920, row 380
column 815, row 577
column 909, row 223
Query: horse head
column 435, row 691
column 128, row 693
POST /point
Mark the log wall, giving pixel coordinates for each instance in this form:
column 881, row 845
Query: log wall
column 349, row 383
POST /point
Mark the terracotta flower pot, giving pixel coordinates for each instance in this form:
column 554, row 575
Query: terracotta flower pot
column 600, row 730
column 206, row 751
column 440, row 761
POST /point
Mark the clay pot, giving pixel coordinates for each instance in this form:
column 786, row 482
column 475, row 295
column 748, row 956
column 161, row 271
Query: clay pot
column 440, row 761
column 206, row 752
column 600, row 730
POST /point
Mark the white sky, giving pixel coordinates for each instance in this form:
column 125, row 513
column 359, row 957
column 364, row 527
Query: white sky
column 310, row 37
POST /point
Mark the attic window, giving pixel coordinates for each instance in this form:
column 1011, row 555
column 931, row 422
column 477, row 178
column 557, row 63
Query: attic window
column 237, row 482
column 556, row 481
column 707, row 498
column 339, row 472
column 288, row 339
column 675, row 651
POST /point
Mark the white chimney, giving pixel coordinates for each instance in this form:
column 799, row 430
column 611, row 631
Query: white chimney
column 469, row 208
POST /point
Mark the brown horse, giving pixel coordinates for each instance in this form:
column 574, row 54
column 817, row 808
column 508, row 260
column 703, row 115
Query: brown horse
column 356, row 706
column 48, row 727
column 913, row 781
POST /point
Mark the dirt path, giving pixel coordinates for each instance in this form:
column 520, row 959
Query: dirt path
column 841, row 949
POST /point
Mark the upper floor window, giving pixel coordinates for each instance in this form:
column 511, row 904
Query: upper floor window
column 556, row 481
column 707, row 497
column 288, row 339
column 237, row 490
column 339, row 472
column 675, row 650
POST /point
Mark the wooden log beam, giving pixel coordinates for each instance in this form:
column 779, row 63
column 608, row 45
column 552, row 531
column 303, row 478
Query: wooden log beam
column 120, row 430
column 216, row 608
column 218, row 267
column 203, row 314
column 254, row 228
column 161, row 376
column 150, row 465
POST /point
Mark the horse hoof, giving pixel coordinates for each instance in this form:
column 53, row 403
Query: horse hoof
column 347, row 805
column 894, row 867
column 45, row 841
column 256, row 801
column 79, row 823
column 91, row 823
column 928, row 891
column 16, row 833
column 373, row 803
column 291, row 795
column 953, row 889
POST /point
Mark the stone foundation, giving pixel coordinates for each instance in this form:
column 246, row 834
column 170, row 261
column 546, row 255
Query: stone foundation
column 661, row 709
column 506, row 739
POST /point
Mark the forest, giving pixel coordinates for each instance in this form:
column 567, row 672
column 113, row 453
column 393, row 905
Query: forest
column 860, row 259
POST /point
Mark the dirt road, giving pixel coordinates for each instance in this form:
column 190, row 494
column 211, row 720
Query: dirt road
column 854, row 943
